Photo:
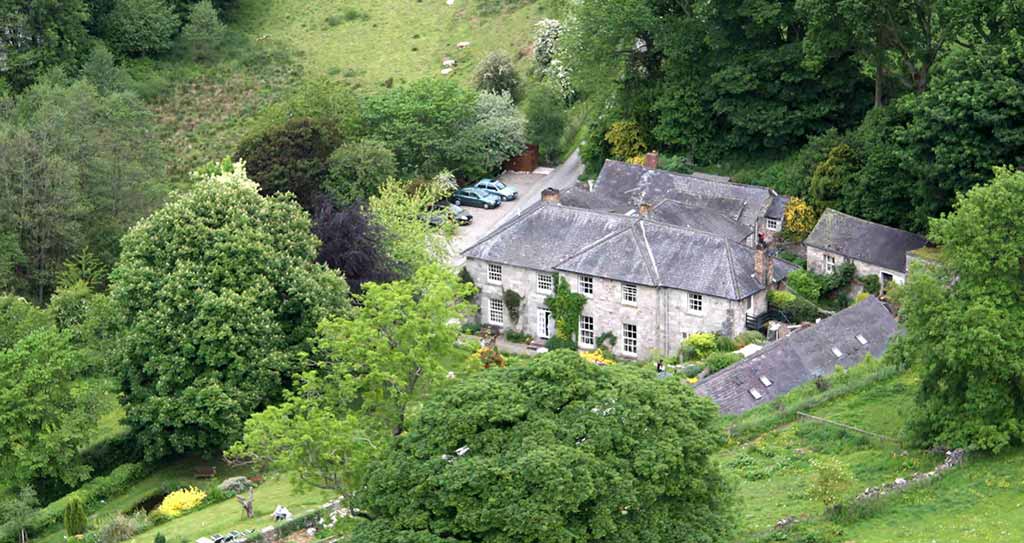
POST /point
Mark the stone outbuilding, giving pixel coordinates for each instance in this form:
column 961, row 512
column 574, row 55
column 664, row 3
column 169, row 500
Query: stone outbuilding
column 874, row 249
column 844, row 339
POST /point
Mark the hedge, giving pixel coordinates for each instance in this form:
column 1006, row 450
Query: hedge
column 99, row 488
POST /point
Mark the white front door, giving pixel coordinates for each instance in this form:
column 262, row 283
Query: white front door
column 543, row 324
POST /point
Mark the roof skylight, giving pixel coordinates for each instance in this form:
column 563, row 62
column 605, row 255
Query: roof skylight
column 837, row 352
column 863, row 340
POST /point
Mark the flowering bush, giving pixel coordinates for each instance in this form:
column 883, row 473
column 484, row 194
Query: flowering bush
column 545, row 43
column 598, row 357
column 179, row 501
column 489, row 357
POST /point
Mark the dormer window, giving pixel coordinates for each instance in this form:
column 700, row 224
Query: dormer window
column 773, row 225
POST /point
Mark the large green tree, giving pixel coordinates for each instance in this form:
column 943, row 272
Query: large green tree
column 39, row 35
column 407, row 217
column 46, row 409
column 77, row 168
column 217, row 296
column 963, row 322
column 554, row 450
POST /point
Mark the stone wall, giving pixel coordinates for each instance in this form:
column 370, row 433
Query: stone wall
column 661, row 315
column 816, row 263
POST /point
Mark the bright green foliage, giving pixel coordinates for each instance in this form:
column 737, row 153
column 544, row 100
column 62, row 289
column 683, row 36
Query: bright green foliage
column 965, row 333
column 721, row 360
column 808, row 284
column 356, row 170
column 749, row 337
column 18, row 509
column 796, row 309
column 556, row 449
column 203, row 34
column 332, row 106
column 425, row 123
column 394, row 338
column 545, row 121
column 404, row 213
column 40, row 35
column 46, row 411
column 831, row 481
column 828, row 178
column 499, row 133
column 74, row 517
column 159, row 538
column 626, row 140
column 312, row 436
column 140, row 27
column 19, row 318
column 216, row 296
column 872, row 285
column 702, row 344
column 497, row 75
column 565, row 306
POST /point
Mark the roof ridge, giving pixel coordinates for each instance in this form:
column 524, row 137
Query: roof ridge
column 873, row 223
column 732, row 272
column 650, row 254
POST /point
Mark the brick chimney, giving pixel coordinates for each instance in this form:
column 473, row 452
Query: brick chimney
column 764, row 266
column 551, row 195
column 651, row 160
column 645, row 209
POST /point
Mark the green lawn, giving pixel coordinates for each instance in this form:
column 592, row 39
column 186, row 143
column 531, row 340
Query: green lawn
column 981, row 502
column 371, row 41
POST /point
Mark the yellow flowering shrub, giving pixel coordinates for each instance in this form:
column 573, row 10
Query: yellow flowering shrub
column 179, row 501
column 598, row 357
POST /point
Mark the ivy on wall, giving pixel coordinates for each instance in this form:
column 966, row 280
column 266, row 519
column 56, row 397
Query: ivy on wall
column 565, row 306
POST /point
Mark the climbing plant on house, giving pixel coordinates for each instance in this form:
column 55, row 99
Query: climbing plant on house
column 513, row 302
column 565, row 306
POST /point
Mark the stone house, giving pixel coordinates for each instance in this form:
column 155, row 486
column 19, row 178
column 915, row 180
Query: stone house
column 647, row 282
column 844, row 339
column 874, row 249
column 702, row 202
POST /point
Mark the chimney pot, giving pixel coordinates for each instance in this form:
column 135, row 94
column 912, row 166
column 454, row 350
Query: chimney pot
column 552, row 195
column 644, row 209
column 651, row 160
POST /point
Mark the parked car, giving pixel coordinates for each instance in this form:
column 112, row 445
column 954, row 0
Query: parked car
column 506, row 192
column 442, row 211
column 476, row 197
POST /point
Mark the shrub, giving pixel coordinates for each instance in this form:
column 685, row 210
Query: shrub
column 181, row 500
column 626, row 140
column 692, row 370
column 718, row 361
column 702, row 344
column 780, row 297
column 517, row 337
column 356, row 170
column 799, row 220
column 798, row 310
column 471, row 328
column 725, row 344
column 839, row 278
column 496, row 74
column 749, row 337
column 806, row 283
column 204, row 32
column 545, row 45
column 831, row 480
column 871, row 284
column 488, row 358
column 140, row 27
column 159, row 538
column 545, row 122
column 558, row 342
column 121, row 527
column 74, row 517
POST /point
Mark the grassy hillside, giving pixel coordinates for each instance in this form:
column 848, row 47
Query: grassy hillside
column 982, row 501
column 372, row 41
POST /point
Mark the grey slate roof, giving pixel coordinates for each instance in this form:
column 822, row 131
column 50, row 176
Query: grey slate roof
column 801, row 356
column 864, row 240
column 700, row 218
column 777, row 209
column 552, row 237
column 622, row 187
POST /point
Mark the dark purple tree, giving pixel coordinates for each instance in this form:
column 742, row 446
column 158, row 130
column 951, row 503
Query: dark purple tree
column 350, row 242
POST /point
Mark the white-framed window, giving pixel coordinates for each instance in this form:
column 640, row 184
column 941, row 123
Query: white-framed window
column 830, row 263
column 586, row 331
column 586, row 285
column 629, row 338
column 629, row 295
column 772, row 224
column 496, row 312
column 545, row 282
column 695, row 303
column 494, row 273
